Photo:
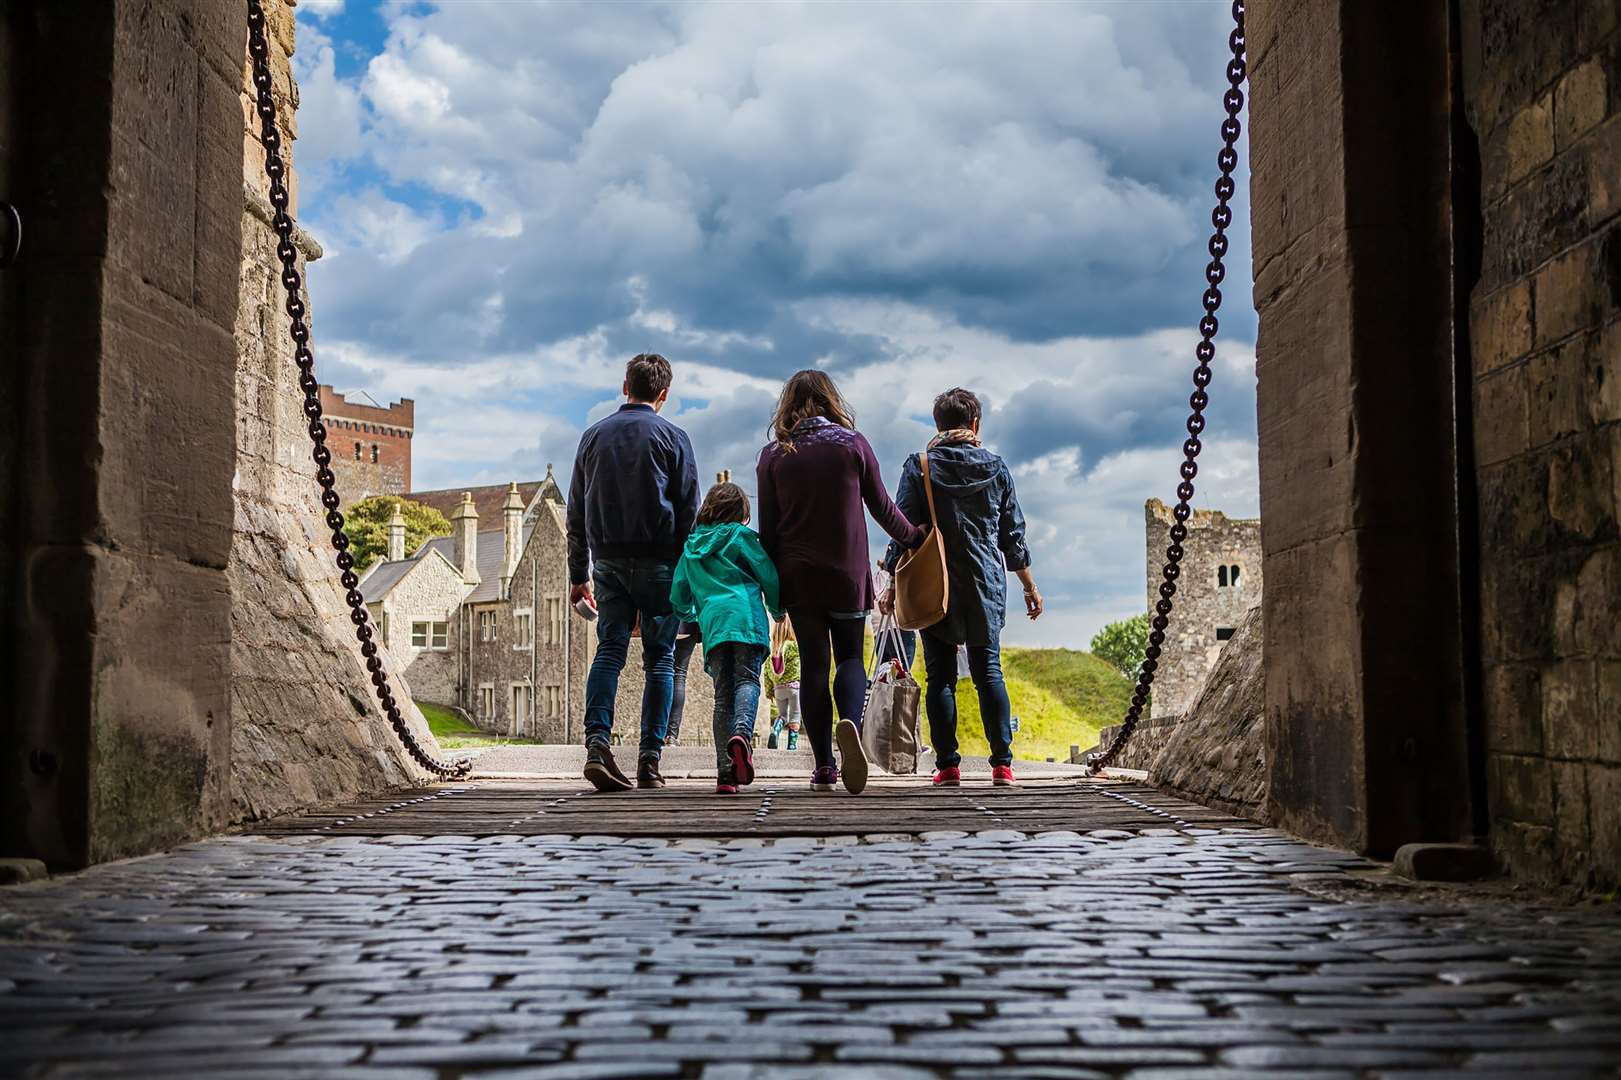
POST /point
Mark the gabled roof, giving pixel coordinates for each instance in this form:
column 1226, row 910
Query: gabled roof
column 381, row 579
column 491, row 551
column 491, row 499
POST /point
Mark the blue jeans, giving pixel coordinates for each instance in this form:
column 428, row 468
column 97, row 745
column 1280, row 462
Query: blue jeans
column 940, row 699
column 626, row 588
column 735, row 668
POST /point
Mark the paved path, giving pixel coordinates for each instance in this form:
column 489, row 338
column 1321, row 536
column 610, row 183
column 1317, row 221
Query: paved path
column 1153, row 953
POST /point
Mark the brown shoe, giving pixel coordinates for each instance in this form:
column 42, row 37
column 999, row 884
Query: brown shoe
column 603, row 771
column 647, row 774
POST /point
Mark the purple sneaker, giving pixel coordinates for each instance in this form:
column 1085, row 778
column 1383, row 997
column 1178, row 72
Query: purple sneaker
column 825, row 778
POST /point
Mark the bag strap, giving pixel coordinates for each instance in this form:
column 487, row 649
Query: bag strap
column 928, row 488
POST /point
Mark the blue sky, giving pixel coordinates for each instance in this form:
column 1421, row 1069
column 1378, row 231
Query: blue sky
column 515, row 197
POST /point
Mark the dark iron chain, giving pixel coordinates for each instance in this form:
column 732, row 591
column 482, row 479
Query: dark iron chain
column 276, row 170
column 1215, row 272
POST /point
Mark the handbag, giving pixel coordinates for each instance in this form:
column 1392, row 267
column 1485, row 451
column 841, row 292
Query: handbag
column 922, row 588
column 889, row 722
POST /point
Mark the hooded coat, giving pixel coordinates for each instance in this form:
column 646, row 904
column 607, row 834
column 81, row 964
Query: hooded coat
column 719, row 582
column 983, row 529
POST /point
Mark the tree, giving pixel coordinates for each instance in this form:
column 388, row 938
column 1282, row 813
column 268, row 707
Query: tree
column 367, row 524
column 1123, row 644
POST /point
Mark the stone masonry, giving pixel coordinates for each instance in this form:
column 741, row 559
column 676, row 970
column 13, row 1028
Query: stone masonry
column 305, row 727
column 1543, row 94
column 1220, row 582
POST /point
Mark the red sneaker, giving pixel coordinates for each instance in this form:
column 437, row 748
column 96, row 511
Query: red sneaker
column 742, row 755
column 723, row 788
column 1002, row 776
column 950, row 776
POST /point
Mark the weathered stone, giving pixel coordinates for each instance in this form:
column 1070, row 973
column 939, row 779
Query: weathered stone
column 1579, row 102
column 1216, row 753
column 1500, row 328
column 1443, row 862
column 17, row 871
column 1529, row 140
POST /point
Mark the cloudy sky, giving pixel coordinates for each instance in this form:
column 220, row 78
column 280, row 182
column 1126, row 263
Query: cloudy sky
column 515, row 197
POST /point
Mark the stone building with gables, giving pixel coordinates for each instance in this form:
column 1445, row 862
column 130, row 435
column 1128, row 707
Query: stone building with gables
column 480, row 619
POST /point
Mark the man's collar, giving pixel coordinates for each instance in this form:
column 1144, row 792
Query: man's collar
column 636, row 405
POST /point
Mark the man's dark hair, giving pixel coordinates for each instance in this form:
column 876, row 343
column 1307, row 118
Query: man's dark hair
column 647, row 376
column 956, row 408
column 725, row 502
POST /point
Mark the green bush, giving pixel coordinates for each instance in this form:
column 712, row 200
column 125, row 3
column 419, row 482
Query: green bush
column 1122, row 644
column 367, row 524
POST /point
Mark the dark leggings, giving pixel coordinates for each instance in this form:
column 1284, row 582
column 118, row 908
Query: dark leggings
column 827, row 644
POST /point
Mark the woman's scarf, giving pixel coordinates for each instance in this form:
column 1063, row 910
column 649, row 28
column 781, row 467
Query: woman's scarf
column 955, row 435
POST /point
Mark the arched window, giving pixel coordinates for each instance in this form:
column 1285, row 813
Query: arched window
column 357, row 451
column 374, row 453
column 1232, row 576
column 1221, row 577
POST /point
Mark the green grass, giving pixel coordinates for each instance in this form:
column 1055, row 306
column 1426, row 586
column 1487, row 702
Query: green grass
column 1062, row 697
column 454, row 733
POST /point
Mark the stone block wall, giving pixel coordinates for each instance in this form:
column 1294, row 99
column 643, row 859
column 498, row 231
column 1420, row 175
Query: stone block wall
column 1542, row 86
column 431, row 592
column 1211, row 599
column 304, row 724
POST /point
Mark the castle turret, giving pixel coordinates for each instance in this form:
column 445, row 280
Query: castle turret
column 512, row 527
column 464, row 530
column 396, row 535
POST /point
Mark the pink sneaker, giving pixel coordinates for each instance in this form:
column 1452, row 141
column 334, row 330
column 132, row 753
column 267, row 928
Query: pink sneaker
column 950, row 776
column 723, row 788
column 1002, row 776
column 742, row 755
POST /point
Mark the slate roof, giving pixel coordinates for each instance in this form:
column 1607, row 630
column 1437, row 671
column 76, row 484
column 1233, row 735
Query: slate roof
column 383, row 577
column 491, row 550
column 489, row 500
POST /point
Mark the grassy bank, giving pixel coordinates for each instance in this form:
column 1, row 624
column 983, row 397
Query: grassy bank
column 1062, row 697
column 454, row 733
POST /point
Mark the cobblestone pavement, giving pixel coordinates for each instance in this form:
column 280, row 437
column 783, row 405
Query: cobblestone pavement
column 1162, row 953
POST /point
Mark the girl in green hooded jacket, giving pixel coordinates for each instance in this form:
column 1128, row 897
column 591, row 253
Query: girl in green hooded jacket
column 720, row 582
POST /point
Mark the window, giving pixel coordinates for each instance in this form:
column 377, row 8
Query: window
column 1224, row 633
column 374, row 453
column 486, row 701
column 1232, row 576
column 553, row 701
column 419, row 635
column 554, row 620
column 1227, row 577
column 521, row 623
column 1221, row 577
column 486, row 626
column 435, row 635
column 441, row 635
column 357, row 451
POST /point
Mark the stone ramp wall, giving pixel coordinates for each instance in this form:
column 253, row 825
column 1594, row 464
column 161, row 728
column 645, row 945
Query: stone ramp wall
column 305, row 725
column 1216, row 754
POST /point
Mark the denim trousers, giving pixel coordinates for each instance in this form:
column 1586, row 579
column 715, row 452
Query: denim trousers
column 940, row 699
column 678, row 699
column 626, row 589
column 735, row 668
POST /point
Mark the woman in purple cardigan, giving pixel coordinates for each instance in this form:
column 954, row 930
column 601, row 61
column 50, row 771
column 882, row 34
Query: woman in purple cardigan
column 814, row 478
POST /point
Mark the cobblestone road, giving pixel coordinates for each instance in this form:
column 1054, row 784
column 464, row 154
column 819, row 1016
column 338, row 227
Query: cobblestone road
column 1196, row 953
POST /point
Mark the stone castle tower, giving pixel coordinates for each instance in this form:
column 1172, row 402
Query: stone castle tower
column 371, row 444
column 1221, row 580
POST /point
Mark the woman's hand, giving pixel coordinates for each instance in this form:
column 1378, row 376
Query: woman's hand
column 1033, row 606
column 886, row 602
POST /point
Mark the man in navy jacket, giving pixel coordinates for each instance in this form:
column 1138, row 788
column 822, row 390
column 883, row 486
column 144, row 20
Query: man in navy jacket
column 631, row 504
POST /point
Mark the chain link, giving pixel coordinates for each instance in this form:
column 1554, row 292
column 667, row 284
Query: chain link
column 1215, row 272
column 282, row 223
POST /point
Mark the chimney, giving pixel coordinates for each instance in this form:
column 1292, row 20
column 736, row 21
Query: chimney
column 464, row 528
column 512, row 526
column 396, row 536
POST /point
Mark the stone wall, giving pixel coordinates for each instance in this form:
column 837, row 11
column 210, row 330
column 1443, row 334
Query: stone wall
column 1216, row 754
column 116, row 738
column 1220, row 581
column 1350, row 189
column 1542, row 88
column 304, row 724
column 431, row 592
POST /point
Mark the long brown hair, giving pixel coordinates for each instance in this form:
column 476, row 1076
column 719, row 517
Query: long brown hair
column 808, row 393
column 725, row 502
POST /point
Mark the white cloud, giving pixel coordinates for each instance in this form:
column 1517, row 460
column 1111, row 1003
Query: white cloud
column 320, row 9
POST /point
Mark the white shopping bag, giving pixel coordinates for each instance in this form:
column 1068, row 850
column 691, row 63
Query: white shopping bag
column 889, row 724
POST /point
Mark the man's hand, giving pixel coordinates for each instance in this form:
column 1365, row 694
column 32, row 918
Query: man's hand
column 576, row 593
column 886, row 602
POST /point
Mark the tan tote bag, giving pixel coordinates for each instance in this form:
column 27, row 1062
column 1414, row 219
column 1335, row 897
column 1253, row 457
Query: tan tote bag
column 921, row 586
